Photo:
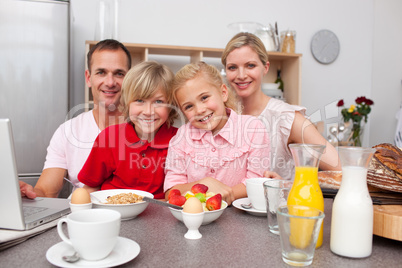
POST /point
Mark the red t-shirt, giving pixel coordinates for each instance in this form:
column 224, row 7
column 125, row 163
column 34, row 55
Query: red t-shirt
column 120, row 160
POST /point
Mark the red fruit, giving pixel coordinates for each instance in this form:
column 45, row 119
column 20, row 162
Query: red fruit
column 214, row 203
column 177, row 200
column 199, row 188
column 174, row 192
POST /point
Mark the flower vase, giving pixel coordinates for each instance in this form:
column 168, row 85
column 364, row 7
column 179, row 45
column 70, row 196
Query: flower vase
column 357, row 133
column 352, row 135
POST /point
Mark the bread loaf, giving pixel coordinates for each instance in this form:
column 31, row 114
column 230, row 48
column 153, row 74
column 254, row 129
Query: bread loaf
column 330, row 179
column 385, row 171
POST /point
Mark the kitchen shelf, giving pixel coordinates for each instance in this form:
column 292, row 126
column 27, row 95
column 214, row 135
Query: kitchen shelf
column 289, row 63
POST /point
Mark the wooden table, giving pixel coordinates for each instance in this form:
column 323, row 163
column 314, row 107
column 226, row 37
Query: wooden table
column 236, row 239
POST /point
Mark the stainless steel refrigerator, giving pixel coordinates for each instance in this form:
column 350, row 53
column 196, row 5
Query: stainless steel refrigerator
column 34, row 76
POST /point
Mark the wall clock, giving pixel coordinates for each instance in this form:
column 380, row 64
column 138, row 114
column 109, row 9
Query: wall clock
column 325, row 46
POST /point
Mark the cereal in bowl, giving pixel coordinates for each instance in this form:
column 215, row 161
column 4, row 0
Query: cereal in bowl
column 123, row 198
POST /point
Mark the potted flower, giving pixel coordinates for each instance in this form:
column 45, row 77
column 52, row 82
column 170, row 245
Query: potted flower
column 356, row 113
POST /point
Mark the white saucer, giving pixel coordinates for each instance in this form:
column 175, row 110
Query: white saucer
column 124, row 251
column 237, row 204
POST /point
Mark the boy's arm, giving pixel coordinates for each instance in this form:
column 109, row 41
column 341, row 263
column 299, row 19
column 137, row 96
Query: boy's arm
column 91, row 189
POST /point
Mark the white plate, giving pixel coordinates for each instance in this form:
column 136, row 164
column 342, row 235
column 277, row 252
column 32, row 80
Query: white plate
column 237, row 204
column 124, row 251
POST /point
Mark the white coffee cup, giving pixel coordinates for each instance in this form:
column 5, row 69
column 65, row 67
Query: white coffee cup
column 93, row 233
column 255, row 193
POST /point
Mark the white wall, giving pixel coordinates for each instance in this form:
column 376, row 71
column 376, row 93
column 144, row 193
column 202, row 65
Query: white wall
column 386, row 69
column 204, row 23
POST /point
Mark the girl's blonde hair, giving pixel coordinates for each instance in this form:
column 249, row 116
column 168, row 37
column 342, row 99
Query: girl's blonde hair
column 142, row 81
column 245, row 39
column 210, row 73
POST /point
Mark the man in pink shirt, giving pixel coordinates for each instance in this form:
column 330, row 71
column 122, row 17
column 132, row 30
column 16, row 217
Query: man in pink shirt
column 108, row 62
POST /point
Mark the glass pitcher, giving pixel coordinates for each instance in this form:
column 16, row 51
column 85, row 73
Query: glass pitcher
column 352, row 210
column 305, row 190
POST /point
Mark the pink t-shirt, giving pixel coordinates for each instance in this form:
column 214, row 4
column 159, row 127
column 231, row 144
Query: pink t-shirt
column 71, row 144
column 239, row 151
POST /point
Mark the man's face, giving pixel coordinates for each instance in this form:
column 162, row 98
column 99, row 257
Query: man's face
column 108, row 69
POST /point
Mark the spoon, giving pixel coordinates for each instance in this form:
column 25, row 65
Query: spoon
column 246, row 206
column 72, row 258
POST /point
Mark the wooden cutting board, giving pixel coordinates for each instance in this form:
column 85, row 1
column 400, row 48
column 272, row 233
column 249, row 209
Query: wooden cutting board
column 388, row 221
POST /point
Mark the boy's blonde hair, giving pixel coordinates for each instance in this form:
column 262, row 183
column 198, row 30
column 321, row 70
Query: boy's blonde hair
column 245, row 39
column 211, row 74
column 142, row 81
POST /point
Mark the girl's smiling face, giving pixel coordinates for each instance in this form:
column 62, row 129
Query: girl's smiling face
column 203, row 104
column 245, row 71
column 148, row 115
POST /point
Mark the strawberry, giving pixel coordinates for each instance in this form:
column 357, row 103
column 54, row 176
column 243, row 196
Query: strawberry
column 199, row 188
column 177, row 200
column 174, row 192
column 214, row 203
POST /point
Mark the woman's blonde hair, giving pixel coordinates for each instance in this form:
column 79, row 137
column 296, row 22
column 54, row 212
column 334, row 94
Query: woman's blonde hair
column 142, row 81
column 245, row 39
column 212, row 76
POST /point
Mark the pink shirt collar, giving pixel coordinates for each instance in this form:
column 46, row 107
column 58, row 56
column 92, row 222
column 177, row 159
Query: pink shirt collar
column 226, row 132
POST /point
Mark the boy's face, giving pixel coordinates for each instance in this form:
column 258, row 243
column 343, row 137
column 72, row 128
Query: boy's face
column 108, row 69
column 148, row 115
column 203, row 104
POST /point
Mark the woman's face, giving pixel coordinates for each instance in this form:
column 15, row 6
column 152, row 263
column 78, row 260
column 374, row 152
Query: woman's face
column 148, row 115
column 203, row 104
column 245, row 71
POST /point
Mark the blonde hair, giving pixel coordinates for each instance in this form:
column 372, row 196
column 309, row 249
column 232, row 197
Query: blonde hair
column 245, row 39
column 210, row 73
column 142, row 81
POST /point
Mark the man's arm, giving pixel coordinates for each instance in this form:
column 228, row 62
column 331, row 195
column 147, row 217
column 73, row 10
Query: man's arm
column 50, row 182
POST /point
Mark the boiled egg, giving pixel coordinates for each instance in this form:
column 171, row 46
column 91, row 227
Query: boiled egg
column 193, row 205
column 80, row 196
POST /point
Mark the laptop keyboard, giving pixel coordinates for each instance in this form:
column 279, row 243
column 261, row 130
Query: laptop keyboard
column 28, row 211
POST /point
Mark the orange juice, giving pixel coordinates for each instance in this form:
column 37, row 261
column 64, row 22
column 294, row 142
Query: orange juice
column 305, row 192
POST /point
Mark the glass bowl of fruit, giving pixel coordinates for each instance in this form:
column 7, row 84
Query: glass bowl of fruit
column 212, row 203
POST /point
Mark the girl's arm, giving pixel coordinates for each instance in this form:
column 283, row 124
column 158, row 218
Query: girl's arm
column 303, row 131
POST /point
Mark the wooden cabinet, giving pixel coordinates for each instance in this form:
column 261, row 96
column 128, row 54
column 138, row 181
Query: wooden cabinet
column 290, row 64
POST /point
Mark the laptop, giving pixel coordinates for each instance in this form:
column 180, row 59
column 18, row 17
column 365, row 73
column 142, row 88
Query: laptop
column 19, row 213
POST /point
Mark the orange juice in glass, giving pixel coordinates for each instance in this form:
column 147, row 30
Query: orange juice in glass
column 305, row 190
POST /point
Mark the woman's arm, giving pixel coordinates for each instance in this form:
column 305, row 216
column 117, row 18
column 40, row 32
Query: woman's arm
column 303, row 131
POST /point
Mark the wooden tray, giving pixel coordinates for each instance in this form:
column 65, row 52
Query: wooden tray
column 388, row 221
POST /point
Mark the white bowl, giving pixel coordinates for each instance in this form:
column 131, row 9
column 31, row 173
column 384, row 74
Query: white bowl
column 209, row 216
column 127, row 211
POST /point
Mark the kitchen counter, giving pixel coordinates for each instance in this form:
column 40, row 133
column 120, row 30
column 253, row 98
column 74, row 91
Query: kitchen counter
column 236, row 239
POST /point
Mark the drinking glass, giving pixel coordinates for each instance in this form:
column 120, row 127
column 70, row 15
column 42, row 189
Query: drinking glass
column 299, row 227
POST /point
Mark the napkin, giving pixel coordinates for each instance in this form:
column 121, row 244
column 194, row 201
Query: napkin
column 9, row 238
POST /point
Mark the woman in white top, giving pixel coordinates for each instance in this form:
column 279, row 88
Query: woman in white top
column 246, row 62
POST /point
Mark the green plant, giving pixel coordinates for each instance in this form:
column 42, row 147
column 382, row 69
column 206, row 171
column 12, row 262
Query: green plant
column 356, row 113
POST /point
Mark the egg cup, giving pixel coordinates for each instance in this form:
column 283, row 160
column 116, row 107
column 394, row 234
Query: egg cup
column 77, row 207
column 193, row 221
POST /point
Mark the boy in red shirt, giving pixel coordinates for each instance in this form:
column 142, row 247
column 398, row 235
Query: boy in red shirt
column 132, row 155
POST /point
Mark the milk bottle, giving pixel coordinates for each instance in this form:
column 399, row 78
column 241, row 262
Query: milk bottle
column 352, row 211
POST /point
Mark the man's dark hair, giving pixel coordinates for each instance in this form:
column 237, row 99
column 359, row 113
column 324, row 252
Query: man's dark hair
column 108, row 44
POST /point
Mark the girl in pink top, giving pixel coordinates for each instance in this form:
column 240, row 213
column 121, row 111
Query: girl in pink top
column 217, row 147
